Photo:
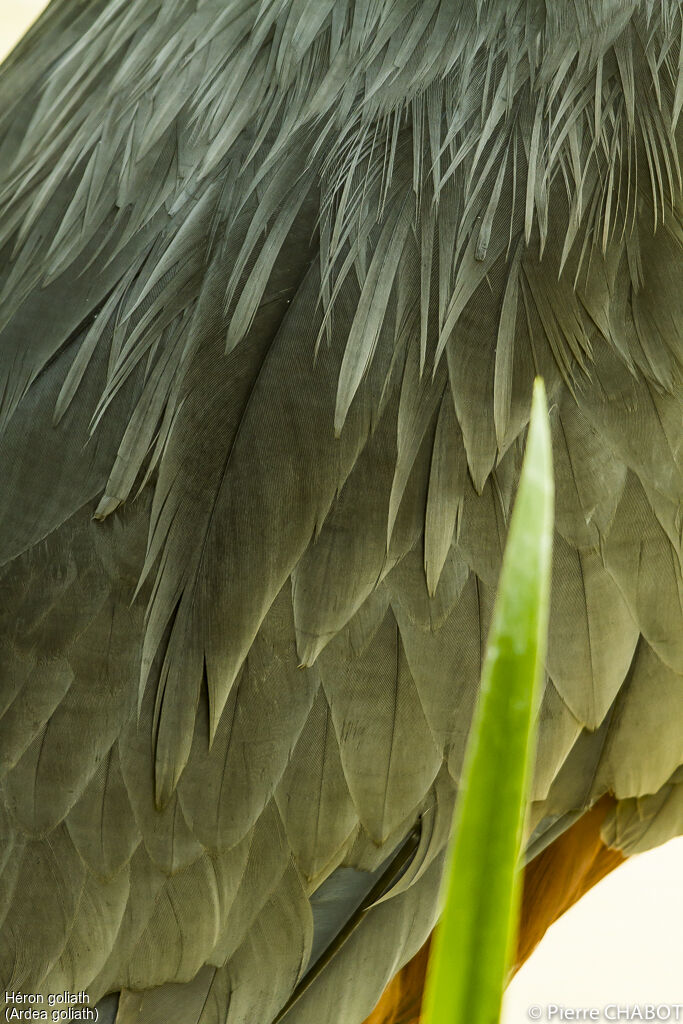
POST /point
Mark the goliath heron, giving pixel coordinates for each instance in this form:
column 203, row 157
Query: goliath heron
column 276, row 277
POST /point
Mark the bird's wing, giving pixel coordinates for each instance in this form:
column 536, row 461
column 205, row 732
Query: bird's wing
column 276, row 279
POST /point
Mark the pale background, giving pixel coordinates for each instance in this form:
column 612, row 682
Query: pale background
column 15, row 17
column 623, row 943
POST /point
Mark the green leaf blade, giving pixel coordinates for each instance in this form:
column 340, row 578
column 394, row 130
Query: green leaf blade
column 474, row 940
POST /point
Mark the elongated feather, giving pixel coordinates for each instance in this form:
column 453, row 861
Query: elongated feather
column 648, row 573
column 385, row 778
column 106, row 849
column 201, row 1001
column 419, row 400
column 96, row 925
column 640, row 824
column 445, row 666
column 650, row 705
column 372, row 307
column 341, row 568
column 34, row 901
column 590, row 479
column 313, row 797
column 446, row 493
column 280, row 938
column 587, row 675
column 255, row 737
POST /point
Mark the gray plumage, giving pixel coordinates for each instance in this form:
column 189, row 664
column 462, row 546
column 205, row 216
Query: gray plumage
column 275, row 280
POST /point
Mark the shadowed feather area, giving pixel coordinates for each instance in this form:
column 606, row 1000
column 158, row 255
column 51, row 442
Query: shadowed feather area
column 276, row 277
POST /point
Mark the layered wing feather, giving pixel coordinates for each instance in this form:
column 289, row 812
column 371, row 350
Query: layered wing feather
column 276, row 279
